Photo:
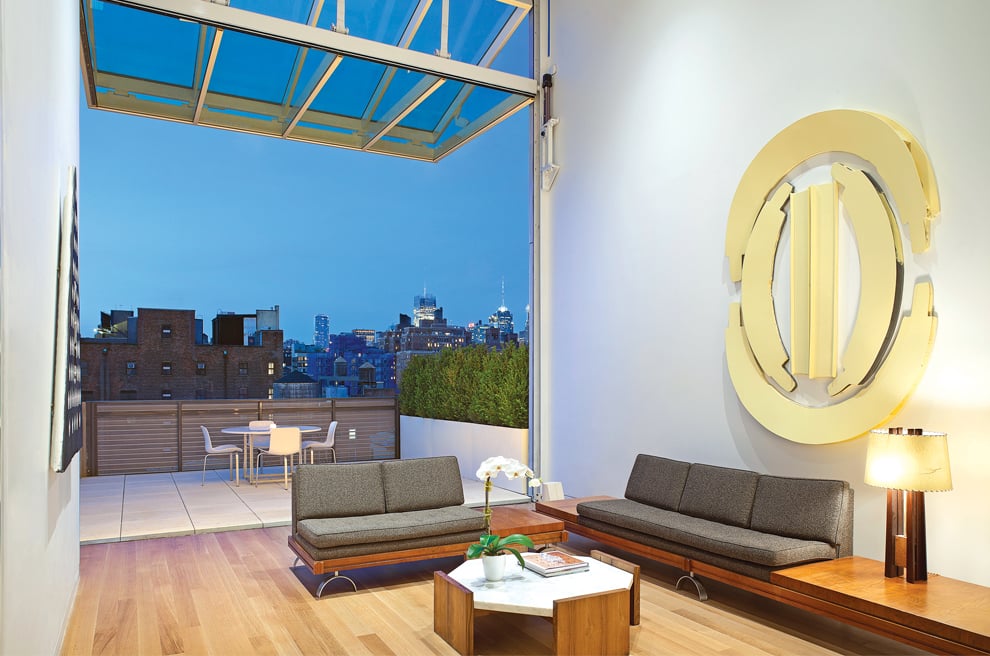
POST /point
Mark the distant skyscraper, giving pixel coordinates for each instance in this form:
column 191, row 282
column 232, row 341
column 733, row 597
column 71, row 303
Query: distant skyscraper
column 502, row 319
column 321, row 336
column 424, row 308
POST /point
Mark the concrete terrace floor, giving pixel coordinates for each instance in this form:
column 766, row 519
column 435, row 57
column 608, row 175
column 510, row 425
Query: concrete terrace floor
column 141, row 506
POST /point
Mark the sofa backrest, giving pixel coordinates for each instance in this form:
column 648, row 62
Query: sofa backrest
column 337, row 490
column 720, row 494
column 804, row 508
column 422, row 483
column 657, row 481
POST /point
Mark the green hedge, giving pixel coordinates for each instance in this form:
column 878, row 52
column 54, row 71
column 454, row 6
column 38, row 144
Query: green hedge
column 470, row 384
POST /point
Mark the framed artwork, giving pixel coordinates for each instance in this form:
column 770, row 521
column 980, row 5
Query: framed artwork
column 66, row 422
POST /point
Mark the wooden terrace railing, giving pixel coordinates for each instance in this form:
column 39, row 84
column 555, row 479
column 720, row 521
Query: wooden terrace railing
column 138, row 437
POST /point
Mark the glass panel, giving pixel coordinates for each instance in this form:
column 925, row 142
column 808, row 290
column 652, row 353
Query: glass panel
column 383, row 21
column 516, row 56
column 481, row 108
column 435, row 108
column 143, row 45
column 403, row 84
column 349, row 88
column 252, row 67
column 471, row 28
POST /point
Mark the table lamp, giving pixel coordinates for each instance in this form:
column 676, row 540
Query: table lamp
column 908, row 462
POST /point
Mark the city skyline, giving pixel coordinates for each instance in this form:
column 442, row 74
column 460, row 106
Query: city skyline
column 497, row 318
column 184, row 217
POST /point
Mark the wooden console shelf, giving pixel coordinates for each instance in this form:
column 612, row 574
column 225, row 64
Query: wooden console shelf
column 942, row 615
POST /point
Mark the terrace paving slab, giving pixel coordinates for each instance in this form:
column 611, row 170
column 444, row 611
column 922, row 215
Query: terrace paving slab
column 142, row 506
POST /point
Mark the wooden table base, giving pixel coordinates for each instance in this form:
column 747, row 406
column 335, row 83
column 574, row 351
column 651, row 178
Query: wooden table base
column 587, row 624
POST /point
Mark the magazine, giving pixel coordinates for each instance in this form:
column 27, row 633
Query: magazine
column 552, row 563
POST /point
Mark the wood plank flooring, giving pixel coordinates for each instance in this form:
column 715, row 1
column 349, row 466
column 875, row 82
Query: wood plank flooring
column 236, row 593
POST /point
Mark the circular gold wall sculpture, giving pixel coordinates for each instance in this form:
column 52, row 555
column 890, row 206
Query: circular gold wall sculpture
column 885, row 354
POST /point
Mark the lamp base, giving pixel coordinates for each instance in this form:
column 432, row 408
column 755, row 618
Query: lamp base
column 905, row 550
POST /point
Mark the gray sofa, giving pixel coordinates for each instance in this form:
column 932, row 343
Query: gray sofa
column 352, row 515
column 731, row 520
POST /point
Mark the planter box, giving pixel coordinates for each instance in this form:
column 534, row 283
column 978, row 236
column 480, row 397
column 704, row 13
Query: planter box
column 471, row 443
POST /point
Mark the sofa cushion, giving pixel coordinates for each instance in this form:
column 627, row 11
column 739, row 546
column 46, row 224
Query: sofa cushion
column 344, row 490
column 720, row 494
column 388, row 550
column 325, row 533
column 421, row 483
column 715, row 537
column 804, row 508
column 657, row 481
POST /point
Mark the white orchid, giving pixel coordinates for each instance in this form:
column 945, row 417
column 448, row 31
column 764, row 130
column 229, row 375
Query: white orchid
column 512, row 468
column 492, row 466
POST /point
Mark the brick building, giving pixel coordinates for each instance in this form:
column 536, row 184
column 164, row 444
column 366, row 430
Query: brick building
column 163, row 354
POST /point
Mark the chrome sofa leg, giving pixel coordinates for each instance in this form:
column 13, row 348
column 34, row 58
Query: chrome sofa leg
column 336, row 575
column 699, row 588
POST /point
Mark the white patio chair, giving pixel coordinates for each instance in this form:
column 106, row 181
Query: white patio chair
column 260, row 441
column 232, row 452
column 285, row 442
column 313, row 445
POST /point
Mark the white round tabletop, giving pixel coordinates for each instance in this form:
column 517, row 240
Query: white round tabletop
column 248, row 430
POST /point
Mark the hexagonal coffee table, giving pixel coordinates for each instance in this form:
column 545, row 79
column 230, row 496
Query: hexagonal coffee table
column 591, row 610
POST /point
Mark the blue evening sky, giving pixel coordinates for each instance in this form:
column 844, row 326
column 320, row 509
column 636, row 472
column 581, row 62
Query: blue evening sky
column 197, row 218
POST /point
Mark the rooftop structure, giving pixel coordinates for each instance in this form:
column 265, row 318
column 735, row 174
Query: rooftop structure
column 413, row 80
column 163, row 354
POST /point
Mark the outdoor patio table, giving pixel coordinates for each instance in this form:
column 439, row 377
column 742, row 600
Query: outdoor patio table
column 249, row 434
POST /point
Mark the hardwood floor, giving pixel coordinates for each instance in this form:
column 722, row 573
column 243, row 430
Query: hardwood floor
column 236, row 593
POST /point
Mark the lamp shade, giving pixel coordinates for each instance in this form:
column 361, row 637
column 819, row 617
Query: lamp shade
column 918, row 462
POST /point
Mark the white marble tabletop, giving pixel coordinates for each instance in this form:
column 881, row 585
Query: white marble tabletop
column 526, row 592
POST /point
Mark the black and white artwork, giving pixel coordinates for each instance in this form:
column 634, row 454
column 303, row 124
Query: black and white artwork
column 66, row 436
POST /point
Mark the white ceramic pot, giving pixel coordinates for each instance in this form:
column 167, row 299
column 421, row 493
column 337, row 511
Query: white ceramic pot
column 494, row 567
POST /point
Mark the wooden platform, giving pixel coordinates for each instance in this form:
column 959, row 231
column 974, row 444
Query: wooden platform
column 942, row 615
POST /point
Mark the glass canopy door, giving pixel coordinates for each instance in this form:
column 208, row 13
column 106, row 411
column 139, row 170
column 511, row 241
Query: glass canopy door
column 410, row 78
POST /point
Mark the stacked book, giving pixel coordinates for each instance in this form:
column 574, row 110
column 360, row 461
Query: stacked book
column 553, row 563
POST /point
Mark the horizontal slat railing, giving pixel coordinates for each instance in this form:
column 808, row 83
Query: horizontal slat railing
column 135, row 437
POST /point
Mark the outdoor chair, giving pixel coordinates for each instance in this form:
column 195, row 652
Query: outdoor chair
column 285, row 442
column 313, row 445
column 232, row 452
column 261, row 441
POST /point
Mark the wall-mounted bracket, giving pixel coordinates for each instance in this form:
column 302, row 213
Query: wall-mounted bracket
column 548, row 169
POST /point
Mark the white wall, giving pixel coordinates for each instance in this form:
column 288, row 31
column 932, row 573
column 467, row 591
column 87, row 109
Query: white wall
column 39, row 140
column 662, row 105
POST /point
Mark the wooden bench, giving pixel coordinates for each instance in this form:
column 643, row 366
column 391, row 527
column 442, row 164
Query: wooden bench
column 505, row 521
column 942, row 615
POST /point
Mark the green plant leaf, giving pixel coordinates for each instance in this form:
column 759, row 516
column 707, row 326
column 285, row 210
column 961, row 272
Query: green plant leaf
column 515, row 538
column 515, row 553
